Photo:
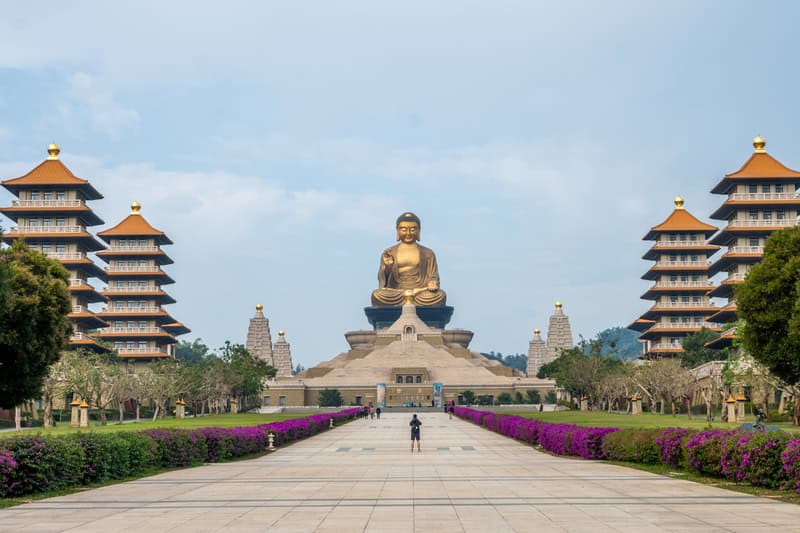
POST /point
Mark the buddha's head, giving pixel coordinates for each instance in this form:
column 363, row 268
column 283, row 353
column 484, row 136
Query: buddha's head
column 408, row 228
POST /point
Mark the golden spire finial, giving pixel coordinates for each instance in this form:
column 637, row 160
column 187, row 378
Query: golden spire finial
column 409, row 297
column 759, row 143
column 135, row 207
column 536, row 331
column 558, row 305
column 679, row 202
column 281, row 333
column 53, row 150
column 259, row 307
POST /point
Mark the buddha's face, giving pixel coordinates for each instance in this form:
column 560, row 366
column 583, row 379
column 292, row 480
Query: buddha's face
column 408, row 232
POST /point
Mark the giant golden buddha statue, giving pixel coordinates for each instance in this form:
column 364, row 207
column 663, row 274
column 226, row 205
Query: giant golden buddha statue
column 407, row 266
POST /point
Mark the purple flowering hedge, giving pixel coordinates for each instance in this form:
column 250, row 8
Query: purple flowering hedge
column 44, row 463
column 769, row 459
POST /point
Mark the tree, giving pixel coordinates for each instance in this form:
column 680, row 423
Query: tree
column 158, row 380
column 619, row 342
column 244, row 373
column 468, row 396
column 330, row 398
column 297, row 369
column 192, row 352
column 769, row 304
column 34, row 328
column 695, row 352
column 504, row 397
column 517, row 361
column 533, row 396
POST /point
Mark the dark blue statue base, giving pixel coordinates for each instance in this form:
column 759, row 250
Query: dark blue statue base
column 434, row 316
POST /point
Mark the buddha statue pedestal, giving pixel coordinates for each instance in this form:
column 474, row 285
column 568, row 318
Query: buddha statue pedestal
column 435, row 316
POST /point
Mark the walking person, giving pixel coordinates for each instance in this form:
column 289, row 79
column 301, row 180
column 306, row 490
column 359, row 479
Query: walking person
column 415, row 432
column 451, row 409
column 378, row 412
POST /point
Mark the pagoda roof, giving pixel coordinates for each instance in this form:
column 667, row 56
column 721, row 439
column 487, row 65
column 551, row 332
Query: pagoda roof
column 51, row 172
column 760, row 165
column 134, row 225
column 680, row 220
column 176, row 328
column 640, row 324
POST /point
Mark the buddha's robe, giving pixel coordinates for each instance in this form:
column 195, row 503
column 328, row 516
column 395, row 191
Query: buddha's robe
column 393, row 283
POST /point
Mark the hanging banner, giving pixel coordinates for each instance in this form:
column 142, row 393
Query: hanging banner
column 437, row 394
column 381, row 395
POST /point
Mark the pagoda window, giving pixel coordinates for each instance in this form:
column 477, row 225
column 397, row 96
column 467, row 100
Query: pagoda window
column 778, row 187
column 684, row 277
column 399, row 379
column 765, row 188
column 60, row 195
column 685, row 319
column 47, row 195
column 695, row 277
column 682, row 237
column 143, row 323
column 780, row 215
column 118, row 345
column 33, row 222
column 142, row 345
column 685, row 299
column 119, row 324
column 767, row 215
column 695, row 258
column 673, row 277
column 696, row 299
column 61, row 221
column 697, row 320
column 753, row 215
column 131, row 324
column 676, row 341
column 693, row 237
column 131, row 345
column 419, row 379
column 119, row 304
column 673, row 258
column 752, row 189
column 61, row 248
column 34, row 195
column 46, row 247
column 142, row 283
column 673, row 237
column 673, row 299
column 143, row 262
column 673, row 319
column 410, row 379
column 47, row 221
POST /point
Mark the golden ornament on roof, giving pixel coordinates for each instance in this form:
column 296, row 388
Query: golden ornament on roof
column 679, row 202
column 759, row 143
column 135, row 207
column 53, row 150
column 536, row 331
column 558, row 305
column 281, row 333
column 259, row 307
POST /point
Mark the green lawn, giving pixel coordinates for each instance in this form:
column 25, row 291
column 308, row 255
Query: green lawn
column 645, row 420
column 224, row 420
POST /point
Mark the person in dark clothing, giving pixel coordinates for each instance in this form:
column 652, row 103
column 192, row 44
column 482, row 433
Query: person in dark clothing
column 378, row 412
column 415, row 432
column 451, row 409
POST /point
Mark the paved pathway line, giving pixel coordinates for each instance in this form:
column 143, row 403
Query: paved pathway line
column 362, row 477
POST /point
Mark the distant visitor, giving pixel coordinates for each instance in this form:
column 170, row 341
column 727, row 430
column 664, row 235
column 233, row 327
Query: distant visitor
column 407, row 266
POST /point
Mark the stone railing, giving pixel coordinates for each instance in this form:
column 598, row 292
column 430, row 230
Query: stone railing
column 66, row 256
column 666, row 346
column 663, row 262
column 150, row 329
column 79, row 336
column 683, row 284
column 79, row 309
column 47, row 229
column 679, row 305
column 118, row 248
column 739, row 276
column 75, row 282
column 761, row 223
column 681, row 244
column 744, row 196
column 683, row 325
column 745, row 249
column 131, row 289
column 130, row 310
column 48, row 203
column 120, row 268
column 123, row 351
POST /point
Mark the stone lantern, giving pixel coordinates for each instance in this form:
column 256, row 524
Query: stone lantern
column 74, row 419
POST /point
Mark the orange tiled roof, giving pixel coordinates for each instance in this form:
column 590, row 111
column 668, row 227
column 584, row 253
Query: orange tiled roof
column 680, row 220
column 52, row 172
column 134, row 225
column 763, row 165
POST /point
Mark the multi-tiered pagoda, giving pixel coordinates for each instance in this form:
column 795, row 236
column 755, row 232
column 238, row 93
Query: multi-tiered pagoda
column 681, row 303
column 139, row 327
column 52, row 215
column 761, row 199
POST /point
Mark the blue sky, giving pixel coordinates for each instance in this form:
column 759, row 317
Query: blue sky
column 276, row 144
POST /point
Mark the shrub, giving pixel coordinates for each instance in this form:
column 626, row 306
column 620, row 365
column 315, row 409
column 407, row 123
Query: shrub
column 8, row 471
column 588, row 442
column 43, row 464
column 633, row 445
column 756, row 458
column 704, row 451
column 671, row 443
column 790, row 459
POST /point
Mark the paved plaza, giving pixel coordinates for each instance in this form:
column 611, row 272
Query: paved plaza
column 362, row 477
